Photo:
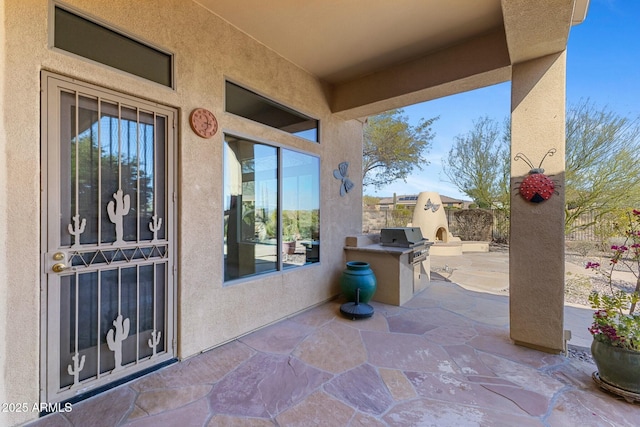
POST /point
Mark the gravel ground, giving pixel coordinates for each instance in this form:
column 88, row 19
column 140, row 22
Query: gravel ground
column 580, row 353
column 578, row 286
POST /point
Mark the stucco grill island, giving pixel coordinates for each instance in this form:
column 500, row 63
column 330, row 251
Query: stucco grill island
column 398, row 256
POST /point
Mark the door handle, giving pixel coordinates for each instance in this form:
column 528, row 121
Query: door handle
column 59, row 267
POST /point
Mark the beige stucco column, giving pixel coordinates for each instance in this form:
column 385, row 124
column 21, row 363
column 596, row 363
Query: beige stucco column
column 536, row 260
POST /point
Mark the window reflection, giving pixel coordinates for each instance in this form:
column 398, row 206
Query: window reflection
column 259, row 236
column 300, row 207
column 106, row 146
column 250, row 105
column 250, row 205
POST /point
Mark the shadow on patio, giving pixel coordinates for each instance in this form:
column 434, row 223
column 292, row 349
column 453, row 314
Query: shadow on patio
column 443, row 359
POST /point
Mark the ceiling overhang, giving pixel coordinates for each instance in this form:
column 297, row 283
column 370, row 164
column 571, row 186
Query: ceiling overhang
column 373, row 56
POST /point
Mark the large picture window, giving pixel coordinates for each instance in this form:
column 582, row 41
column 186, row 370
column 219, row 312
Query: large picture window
column 271, row 208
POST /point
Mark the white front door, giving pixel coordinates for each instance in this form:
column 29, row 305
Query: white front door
column 107, row 236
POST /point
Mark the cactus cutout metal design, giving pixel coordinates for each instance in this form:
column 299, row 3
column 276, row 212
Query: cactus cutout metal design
column 77, row 229
column 154, row 226
column 115, row 338
column 154, row 341
column 78, row 365
column 117, row 211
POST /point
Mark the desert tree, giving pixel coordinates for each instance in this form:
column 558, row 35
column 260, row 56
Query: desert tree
column 602, row 158
column 601, row 175
column 393, row 148
column 478, row 163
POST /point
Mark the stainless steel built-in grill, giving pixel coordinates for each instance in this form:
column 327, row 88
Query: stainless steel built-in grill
column 406, row 237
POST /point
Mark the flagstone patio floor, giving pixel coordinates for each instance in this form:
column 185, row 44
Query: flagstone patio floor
column 442, row 359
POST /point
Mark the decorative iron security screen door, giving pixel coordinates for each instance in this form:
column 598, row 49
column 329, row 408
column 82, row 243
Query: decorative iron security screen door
column 108, row 220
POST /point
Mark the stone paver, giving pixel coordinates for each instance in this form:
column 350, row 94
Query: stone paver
column 265, row 385
column 457, row 389
column 410, row 322
column 589, row 408
column 281, row 338
column 450, row 335
column 433, row 413
column 108, row 410
column 317, row 409
column 334, row 348
column 207, row 368
column 398, row 384
column 157, row 401
column 361, row 388
column 535, row 404
column 192, row 415
column 468, row 360
column 406, row 352
column 231, row 421
column 443, row 359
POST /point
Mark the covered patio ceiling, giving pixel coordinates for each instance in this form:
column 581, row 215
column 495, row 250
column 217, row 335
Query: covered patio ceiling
column 377, row 55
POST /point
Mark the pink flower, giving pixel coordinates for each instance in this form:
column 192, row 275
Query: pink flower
column 611, row 325
column 593, row 265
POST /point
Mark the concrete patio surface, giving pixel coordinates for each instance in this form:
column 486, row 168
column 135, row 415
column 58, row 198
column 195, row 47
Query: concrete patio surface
column 489, row 273
column 442, row 359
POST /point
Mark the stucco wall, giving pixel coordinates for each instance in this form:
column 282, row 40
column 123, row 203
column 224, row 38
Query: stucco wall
column 3, row 211
column 207, row 50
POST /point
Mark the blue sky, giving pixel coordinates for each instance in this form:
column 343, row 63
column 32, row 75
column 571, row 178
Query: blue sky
column 603, row 65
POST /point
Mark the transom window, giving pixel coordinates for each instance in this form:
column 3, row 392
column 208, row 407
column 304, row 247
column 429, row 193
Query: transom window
column 271, row 208
column 250, row 105
column 81, row 36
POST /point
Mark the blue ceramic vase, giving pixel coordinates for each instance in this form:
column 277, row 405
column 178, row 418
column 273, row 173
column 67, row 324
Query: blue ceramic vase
column 358, row 275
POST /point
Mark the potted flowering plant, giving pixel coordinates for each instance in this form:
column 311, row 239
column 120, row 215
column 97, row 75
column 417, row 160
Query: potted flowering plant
column 616, row 324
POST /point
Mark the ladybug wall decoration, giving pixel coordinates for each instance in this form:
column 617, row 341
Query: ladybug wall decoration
column 536, row 187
